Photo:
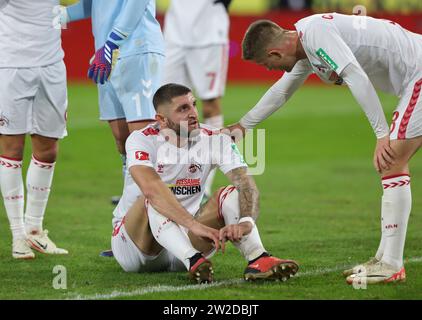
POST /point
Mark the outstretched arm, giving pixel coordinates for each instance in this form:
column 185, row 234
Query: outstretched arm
column 273, row 99
column 277, row 95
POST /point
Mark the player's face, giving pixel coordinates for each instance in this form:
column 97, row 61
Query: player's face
column 183, row 114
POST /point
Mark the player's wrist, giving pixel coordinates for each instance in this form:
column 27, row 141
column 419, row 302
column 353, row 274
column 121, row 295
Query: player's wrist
column 116, row 37
column 247, row 219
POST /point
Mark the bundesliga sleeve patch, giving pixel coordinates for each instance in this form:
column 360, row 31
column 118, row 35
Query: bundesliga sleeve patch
column 236, row 151
column 142, row 155
column 321, row 53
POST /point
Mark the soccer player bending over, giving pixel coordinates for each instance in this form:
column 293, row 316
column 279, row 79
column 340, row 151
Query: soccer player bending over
column 159, row 224
column 361, row 52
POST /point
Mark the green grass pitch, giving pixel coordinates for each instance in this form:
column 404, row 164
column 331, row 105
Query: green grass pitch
column 320, row 205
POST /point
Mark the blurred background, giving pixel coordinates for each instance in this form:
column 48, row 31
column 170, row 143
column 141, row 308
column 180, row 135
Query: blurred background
column 408, row 13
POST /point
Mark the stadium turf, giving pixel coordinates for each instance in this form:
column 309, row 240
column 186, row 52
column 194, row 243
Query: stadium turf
column 320, row 205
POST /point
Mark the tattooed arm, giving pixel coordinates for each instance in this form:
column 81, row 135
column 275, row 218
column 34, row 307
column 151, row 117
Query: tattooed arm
column 248, row 192
column 248, row 205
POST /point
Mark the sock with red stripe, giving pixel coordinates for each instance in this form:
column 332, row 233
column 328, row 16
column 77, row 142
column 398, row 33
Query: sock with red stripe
column 12, row 190
column 171, row 236
column 396, row 206
column 38, row 184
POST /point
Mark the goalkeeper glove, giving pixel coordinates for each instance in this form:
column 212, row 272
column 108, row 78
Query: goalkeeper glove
column 105, row 58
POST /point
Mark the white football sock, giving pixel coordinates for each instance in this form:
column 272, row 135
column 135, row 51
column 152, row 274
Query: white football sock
column 11, row 185
column 251, row 245
column 169, row 235
column 217, row 122
column 38, row 185
column 396, row 206
column 381, row 246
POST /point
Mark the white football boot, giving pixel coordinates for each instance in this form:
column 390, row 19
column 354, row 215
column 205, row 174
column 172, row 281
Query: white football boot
column 379, row 272
column 42, row 243
column 22, row 250
column 358, row 268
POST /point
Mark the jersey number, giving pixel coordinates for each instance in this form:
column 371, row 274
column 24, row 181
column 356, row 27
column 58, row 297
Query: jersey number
column 212, row 75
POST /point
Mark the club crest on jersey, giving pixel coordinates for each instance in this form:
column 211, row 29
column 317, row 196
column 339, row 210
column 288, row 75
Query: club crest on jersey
column 160, row 168
column 3, row 120
column 141, row 155
column 194, row 167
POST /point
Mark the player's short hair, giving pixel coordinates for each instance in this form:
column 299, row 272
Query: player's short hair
column 258, row 37
column 167, row 92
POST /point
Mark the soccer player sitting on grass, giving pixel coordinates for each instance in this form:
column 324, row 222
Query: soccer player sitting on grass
column 159, row 225
column 362, row 52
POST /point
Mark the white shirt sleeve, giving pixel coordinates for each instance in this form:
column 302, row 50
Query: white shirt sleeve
column 139, row 150
column 228, row 157
column 325, row 43
column 365, row 94
column 277, row 95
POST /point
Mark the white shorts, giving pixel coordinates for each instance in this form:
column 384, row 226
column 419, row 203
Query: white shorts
column 407, row 118
column 202, row 69
column 34, row 101
column 131, row 259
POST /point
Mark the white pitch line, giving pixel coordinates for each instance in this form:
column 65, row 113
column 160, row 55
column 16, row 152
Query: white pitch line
column 159, row 288
column 164, row 288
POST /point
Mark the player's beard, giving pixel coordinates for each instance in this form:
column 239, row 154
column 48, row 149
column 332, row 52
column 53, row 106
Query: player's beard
column 182, row 129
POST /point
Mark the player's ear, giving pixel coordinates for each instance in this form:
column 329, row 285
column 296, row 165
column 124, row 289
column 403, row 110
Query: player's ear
column 160, row 117
column 275, row 54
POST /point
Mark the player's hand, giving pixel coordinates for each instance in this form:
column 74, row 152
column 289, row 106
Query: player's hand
column 104, row 60
column 235, row 232
column 384, row 155
column 235, row 131
column 203, row 231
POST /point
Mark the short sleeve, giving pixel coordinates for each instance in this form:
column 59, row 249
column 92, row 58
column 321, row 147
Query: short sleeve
column 139, row 150
column 228, row 157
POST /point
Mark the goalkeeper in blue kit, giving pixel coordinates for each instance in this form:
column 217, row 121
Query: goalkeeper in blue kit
column 127, row 65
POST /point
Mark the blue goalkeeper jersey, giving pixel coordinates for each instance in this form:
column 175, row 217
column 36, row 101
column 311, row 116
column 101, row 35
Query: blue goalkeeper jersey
column 134, row 18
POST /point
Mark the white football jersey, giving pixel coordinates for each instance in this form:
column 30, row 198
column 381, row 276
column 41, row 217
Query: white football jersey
column 389, row 54
column 183, row 170
column 27, row 36
column 197, row 23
